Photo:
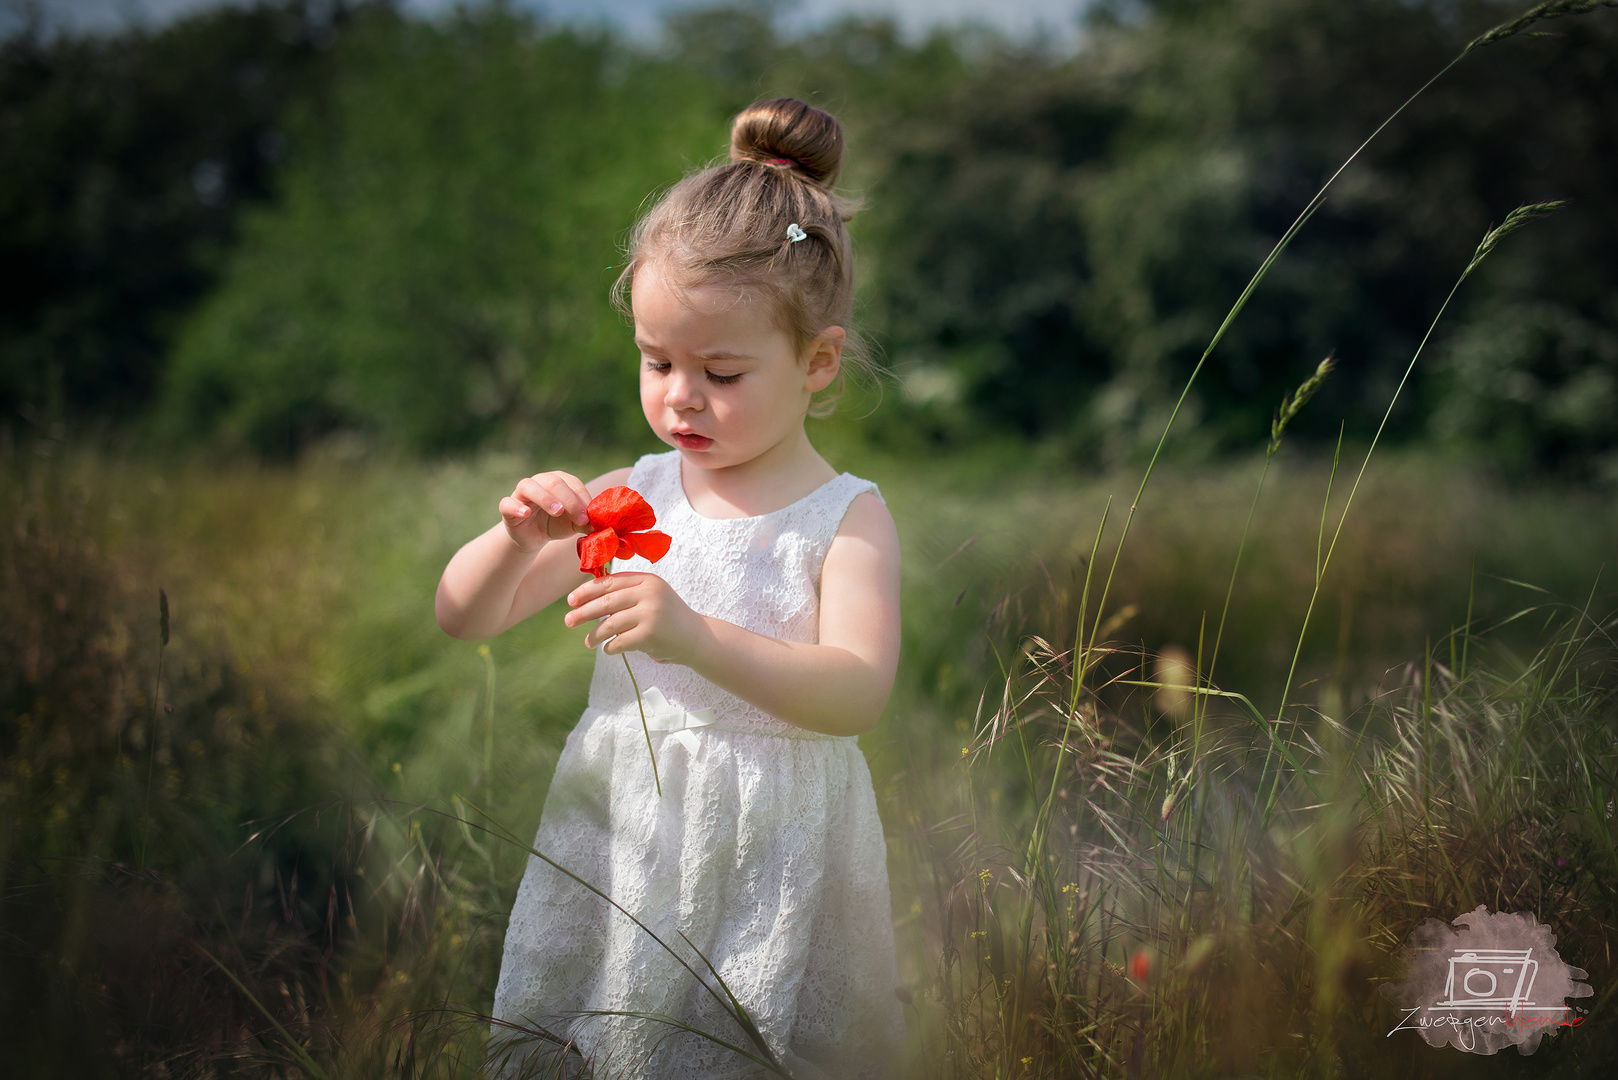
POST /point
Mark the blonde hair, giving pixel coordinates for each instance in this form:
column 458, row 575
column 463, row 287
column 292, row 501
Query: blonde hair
column 728, row 224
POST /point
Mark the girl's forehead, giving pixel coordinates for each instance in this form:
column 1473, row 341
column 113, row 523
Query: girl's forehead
column 662, row 304
column 655, row 286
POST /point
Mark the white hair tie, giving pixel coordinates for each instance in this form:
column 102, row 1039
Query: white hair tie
column 795, row 233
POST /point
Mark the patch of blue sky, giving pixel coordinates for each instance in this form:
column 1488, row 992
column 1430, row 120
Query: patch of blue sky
column 1051, row 21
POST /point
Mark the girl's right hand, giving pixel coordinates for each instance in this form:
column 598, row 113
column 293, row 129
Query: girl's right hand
column 546, row 506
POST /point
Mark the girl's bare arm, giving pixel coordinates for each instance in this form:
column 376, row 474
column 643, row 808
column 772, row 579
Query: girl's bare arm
column 524, row 563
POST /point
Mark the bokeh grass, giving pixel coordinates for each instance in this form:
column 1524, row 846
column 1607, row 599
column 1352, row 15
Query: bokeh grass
column 312, row 844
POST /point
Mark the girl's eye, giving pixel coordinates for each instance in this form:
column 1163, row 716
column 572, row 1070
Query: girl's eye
column 662, row 367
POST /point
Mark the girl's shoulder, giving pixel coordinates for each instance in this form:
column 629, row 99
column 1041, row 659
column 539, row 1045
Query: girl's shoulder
column 860, row 570
column 845, row 488
column 866, row 514
column 842, row 506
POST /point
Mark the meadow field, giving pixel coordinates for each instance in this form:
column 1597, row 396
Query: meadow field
column 1191, row 731
column 297, row 857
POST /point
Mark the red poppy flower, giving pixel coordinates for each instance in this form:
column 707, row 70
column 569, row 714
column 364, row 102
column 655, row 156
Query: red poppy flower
column 1140, row 965
column 622, row 522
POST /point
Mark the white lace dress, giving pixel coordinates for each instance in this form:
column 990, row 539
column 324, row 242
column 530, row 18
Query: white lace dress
column 764, row 851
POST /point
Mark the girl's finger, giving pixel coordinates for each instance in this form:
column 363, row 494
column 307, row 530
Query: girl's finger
column 515, row 511
column 600, row 587
column 599, row 607
column 557, row 500
column 543, row 496
column 571, row 495
column 580, row 509
column 613, row 626
column 587, row 592
column 520, row 522
column 614, row 582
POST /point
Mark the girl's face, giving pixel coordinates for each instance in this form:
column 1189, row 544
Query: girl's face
column 718, row 379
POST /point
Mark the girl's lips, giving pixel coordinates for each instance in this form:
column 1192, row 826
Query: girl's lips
column 692, row 441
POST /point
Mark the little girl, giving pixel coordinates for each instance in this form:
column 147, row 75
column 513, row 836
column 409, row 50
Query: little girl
column 762, row 643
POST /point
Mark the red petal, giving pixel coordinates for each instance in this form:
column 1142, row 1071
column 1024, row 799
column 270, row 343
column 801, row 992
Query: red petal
column 650, row 546
column 622, row 509
column 596, row 550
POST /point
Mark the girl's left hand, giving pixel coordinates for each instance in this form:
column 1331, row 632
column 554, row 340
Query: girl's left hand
column 638, row 613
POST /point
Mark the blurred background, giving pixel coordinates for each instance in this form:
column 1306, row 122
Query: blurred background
column 295, row 290
column 259, row 226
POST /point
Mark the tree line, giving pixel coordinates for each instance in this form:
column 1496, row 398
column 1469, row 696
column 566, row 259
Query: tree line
column 259, row 226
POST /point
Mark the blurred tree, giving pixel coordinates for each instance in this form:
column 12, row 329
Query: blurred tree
column 1064, row 234
column 983, row 258
column 438, row 269
column 124, row 162
column 731, row 44
column 1051, row 239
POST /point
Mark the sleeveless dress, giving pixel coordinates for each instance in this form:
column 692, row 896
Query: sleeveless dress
column 765, row 850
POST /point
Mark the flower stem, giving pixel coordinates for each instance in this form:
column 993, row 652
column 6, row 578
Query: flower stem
column 641, row 705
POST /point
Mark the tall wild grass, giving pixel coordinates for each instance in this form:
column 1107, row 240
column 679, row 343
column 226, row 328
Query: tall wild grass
column 306, row 865
column 1138, row 879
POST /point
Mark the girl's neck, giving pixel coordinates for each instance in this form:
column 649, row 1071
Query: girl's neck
column 775, row 479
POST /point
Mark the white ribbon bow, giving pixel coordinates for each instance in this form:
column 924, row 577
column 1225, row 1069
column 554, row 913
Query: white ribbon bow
column 663, row 715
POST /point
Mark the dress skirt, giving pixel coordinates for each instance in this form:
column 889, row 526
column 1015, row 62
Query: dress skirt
column 764, row 854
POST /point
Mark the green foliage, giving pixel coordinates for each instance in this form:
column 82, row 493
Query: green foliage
column 1531, row 383
column 1050, row 238
column 124, row 163
column 1067, row 232
column 438, row 265
column 982, row 259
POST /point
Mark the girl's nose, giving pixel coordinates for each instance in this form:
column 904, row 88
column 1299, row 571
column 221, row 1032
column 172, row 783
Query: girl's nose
column 682, row 392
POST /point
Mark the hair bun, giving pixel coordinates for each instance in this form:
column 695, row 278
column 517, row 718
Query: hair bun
column 785, row 129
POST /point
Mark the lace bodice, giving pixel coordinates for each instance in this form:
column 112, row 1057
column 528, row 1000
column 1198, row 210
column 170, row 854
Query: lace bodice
column 761, row 573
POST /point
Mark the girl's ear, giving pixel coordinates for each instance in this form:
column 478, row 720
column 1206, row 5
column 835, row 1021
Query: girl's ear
column 825, row 358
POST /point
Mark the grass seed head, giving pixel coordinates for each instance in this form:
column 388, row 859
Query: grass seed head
column 1292, row 404
column 1514, row 221
column 1550, row 9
